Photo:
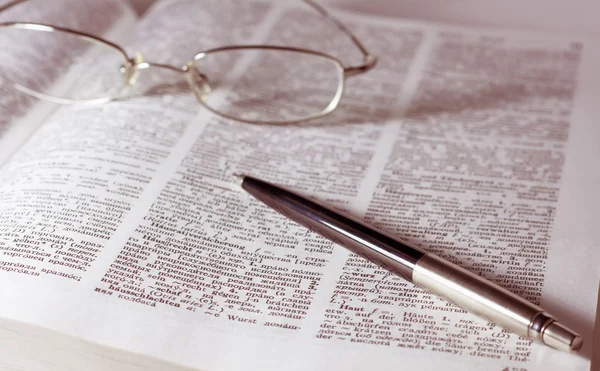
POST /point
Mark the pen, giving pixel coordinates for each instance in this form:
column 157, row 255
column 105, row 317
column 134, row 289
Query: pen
column 428, row 271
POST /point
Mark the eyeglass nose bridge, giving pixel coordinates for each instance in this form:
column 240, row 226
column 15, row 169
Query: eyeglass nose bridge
column 131, row 69
column 196, row 79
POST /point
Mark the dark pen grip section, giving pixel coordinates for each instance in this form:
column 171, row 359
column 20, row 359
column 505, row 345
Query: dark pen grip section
column 352, row 234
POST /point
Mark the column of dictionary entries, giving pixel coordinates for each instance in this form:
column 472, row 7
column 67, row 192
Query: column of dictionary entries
column 211, row 253
column 473, row 177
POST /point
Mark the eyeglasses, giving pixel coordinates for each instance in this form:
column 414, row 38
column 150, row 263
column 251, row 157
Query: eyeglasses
column 258, row 84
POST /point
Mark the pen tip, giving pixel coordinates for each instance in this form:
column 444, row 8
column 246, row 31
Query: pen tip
column 239, row 178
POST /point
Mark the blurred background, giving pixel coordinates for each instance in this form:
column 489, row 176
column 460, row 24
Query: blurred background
column 556, row 15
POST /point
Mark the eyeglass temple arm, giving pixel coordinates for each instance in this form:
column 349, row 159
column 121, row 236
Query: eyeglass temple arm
column 369, row 59
column 11, row 4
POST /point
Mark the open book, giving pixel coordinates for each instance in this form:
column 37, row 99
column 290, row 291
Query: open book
column 124, row 243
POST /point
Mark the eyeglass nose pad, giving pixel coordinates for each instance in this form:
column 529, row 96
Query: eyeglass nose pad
column 130, row 69
column 199, row 82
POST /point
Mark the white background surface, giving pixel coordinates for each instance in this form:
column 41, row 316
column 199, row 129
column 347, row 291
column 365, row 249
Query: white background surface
column 556, row 15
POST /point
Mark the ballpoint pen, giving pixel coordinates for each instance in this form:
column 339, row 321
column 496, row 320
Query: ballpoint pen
column 428, row 271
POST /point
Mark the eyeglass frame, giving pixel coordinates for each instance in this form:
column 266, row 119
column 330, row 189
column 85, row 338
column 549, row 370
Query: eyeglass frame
column 134, row 64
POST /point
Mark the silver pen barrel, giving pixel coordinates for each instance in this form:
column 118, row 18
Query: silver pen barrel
column 428, row 271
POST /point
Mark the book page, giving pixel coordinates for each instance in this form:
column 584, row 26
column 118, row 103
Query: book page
column 30, row 64
column 469, row 143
